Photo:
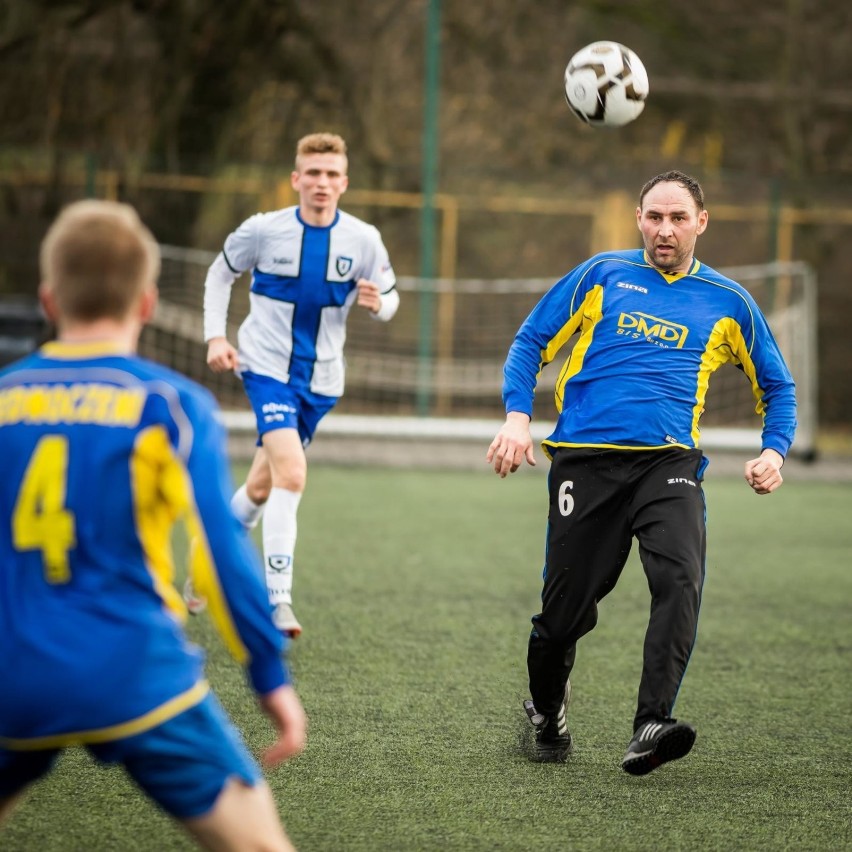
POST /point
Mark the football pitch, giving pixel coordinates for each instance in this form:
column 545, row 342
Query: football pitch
column 415, row 589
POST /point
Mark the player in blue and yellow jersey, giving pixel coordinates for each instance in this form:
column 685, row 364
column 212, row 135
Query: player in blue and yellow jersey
column 309, row 264
column 102, row 453
column 652, row 325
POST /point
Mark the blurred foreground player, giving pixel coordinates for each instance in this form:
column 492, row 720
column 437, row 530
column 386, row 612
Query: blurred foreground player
column 653, row 326
column 102, row 452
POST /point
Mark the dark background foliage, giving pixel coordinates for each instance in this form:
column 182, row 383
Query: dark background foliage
column 754, row 101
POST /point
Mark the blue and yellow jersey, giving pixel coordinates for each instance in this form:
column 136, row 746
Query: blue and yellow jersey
column 102, row 453
column 637, row 375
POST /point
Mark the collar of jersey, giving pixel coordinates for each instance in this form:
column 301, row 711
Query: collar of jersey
column 83, row 349
column 317, row 227
column 672, row 277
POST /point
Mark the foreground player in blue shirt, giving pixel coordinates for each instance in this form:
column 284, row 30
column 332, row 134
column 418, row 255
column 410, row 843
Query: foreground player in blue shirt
column 102, row 452
column 310, row 265
column 653, row 325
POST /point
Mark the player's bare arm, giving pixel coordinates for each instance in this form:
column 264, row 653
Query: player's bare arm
column 369, row 296
column 512, row 444
column 763, row 474
column 221, row 356
column 284, row 708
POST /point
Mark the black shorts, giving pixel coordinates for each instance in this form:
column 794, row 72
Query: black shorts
column 600, row 500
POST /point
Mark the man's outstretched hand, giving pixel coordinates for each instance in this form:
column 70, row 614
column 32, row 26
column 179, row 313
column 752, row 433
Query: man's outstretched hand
column 512, row 444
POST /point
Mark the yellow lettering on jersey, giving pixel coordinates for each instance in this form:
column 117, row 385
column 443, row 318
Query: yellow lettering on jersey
column 94, row 406
column 101, row 404
column 127, row 407
column 40, row 520
column 10, row 405
column 36, row 402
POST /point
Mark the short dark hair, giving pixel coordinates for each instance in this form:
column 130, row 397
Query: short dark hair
column 674, row 176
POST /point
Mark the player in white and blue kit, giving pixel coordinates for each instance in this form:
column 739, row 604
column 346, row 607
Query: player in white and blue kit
column 310, row 264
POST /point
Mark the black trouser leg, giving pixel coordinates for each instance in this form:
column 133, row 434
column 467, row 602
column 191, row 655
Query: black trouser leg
column 669, row 522
column 588, row 542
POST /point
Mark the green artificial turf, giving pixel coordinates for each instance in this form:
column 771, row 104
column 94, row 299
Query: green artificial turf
column 415, row 591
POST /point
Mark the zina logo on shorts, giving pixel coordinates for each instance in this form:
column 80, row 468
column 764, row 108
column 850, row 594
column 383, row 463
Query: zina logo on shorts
column 653, row 329
column 681, row 480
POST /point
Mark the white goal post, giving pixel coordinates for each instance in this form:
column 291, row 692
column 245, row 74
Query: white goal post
column 435, row 372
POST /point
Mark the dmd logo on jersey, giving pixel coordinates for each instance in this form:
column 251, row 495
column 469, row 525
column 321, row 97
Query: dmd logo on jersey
column 653, row 329
column 343, row 265
column 625, row 286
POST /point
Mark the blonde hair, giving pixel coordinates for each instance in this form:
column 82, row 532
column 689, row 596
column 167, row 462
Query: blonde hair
column 320, row 143
column 97, row 259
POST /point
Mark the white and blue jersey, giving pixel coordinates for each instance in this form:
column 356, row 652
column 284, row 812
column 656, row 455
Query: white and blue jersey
column 648, row 343
column 303, row 287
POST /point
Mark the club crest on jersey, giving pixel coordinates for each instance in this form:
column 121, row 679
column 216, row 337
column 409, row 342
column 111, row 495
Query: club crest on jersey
column 344, row 265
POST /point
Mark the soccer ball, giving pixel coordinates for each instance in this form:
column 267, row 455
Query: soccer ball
column 606, row 84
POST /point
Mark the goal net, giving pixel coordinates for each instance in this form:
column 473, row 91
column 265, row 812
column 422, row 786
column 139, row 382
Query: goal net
column 436, row 369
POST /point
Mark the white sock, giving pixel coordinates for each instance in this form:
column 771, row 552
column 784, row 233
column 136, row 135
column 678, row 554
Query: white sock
column 279, row 542
column 247, row 511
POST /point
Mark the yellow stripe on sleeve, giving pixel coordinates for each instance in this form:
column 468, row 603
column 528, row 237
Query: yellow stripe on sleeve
column 205, row 579
column 725, row 345
column 590, row 312
column 161, row 495
column 164, row 493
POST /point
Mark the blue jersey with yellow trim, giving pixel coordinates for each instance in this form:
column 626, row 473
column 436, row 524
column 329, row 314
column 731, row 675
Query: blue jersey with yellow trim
column 101, row 453
column 648, row 342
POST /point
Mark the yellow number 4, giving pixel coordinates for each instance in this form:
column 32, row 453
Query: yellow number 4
column 40, row 520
